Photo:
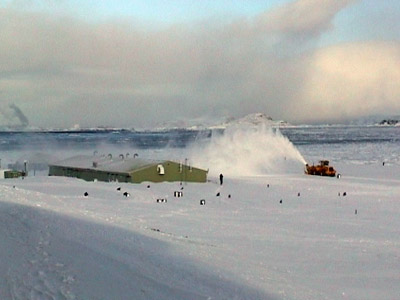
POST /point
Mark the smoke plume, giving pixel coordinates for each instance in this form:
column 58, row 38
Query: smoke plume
column 12, row 116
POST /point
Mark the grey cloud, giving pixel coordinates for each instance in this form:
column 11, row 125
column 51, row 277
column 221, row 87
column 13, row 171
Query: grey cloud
column 120, row 74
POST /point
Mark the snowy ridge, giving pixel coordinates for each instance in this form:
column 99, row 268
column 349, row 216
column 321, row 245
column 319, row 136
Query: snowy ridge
column 255, row 119
column 389, row 122
column 251, row 120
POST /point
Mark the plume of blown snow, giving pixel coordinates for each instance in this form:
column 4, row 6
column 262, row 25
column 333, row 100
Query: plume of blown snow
column 248, row 151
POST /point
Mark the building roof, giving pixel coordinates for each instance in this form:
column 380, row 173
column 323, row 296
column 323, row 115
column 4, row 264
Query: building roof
column 107, row 164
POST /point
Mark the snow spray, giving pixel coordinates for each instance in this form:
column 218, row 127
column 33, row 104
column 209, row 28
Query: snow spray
column 248, row 151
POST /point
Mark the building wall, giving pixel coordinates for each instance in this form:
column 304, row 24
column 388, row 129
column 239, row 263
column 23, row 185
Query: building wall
column 89, row 174
column 13, row 174
column 172, row 172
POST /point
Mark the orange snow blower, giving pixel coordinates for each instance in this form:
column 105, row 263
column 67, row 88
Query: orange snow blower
column 323, row 169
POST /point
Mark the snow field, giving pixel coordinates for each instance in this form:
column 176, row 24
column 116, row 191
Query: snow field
column 62, row 245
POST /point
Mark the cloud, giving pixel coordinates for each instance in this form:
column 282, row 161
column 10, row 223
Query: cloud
column 351, row 80
column 302, row 17
column 63, row 71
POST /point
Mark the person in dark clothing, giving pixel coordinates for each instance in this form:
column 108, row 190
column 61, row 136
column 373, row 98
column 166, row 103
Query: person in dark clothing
column 221, row 179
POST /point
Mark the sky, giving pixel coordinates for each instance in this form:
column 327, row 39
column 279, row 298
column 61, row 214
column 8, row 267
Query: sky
column 143, row 63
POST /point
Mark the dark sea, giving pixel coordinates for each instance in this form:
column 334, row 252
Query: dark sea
column 180, row 138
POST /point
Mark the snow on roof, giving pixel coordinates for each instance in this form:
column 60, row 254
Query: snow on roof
column 105, row 163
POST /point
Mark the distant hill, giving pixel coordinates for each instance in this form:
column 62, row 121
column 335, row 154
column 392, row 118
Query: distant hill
column 378, row 120
column 255, row 119
column 389, row 122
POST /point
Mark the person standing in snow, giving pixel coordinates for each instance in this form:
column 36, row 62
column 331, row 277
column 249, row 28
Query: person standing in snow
column 221, row 179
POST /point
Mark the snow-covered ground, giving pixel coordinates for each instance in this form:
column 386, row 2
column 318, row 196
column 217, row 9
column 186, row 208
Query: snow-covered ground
column 269, row 232
column 242, row 244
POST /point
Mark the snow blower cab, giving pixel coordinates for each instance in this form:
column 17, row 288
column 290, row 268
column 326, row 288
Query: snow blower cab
column 323, row 169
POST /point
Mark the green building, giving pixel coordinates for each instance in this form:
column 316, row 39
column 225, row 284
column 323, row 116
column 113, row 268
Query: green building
column 4, row 174
column 121, row 169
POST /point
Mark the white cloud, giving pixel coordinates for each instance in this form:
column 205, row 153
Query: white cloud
column 123, row 75
column 302, row 16
column 352, row 80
